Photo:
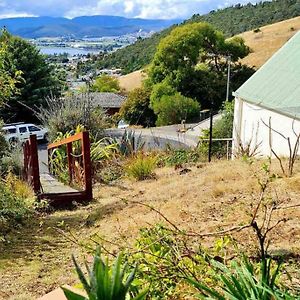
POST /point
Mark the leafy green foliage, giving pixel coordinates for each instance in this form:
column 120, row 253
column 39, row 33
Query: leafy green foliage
column 39, row 78
column 16, row 201
column 241, row 281
column 192, row 61
column 105, row 282
column 8, row 80
column 177, row 157
column 105, row 84
column 174, row 109
column 232, row 20
column 222, row 128
column 130, row 144
column 165, row 259
column 141, row 167
column 101, row 151
column 135, row 110
column 11, row 160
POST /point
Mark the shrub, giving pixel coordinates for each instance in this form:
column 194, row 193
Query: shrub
column 174, row 109
column 241, row 281
column 175, row 157
column 12, row 161
column 106, row 282
column 101, row 150
column 110, row 172
column 136, row 110
column 141, row 167
column 3, row 145
column 130, row 144
column 222, row 128
column 256, row 30
column 106, row 84
column 165, row 257
column 16, row 201
column 65, row 114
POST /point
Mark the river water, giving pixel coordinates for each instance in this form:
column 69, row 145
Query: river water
column 60, row 50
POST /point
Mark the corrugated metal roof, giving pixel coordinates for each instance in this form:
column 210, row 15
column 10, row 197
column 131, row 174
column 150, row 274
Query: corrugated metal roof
column 276, row 85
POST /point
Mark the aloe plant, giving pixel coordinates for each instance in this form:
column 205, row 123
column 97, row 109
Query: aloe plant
column 105, row 282
column 241, row 283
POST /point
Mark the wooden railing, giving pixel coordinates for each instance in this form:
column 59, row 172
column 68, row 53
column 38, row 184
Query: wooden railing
column 31, row 164
column 87, row 193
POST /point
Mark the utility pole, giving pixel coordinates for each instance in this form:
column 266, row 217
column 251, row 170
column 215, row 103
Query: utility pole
column 228, row 76
column 210, row 132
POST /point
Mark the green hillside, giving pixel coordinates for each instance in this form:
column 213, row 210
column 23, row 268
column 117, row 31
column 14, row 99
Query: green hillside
column 232, row 20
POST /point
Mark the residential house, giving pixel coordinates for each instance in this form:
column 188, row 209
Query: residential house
column 110, row 102
column 267, row 106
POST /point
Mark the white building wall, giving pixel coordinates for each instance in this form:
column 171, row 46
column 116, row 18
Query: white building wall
column 249, row 128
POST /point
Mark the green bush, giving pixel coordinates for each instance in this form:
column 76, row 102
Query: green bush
column 165, row 257
column 222, row 128
column 175, row 157
column 242, row 281
column 106, row 282
column 12, row 161
column 16, row 201
column 173, row 109
column 106, row 84
column 110, row 172
column 141, row 167
column 136, row 110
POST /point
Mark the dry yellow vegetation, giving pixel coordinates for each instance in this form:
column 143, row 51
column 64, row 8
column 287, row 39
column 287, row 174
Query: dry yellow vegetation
column 268, row 40
column 211, row 197
column 132, row 80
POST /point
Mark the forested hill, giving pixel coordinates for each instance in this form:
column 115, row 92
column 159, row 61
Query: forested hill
column 232, row 20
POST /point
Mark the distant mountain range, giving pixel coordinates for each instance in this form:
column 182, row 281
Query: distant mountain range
column 86, row 26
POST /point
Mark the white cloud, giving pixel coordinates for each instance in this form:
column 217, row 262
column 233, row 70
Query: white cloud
column 11, row 14
column 129, row 8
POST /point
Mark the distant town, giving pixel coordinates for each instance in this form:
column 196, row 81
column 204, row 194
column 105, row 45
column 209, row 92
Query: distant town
column 78, row 57
column 79, row 46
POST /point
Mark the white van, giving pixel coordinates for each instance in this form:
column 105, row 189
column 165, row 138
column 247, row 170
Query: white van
column 20, row 132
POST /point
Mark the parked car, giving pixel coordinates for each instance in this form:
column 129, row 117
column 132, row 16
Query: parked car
column 122, row 124
column 20, row 132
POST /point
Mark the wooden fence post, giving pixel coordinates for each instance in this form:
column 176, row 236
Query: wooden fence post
column 35, row 164
column 70, row 161
column 86, row 153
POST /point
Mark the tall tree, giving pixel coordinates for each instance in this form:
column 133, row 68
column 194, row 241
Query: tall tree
column 106, row 83
column 39, row 79
column 193, row 60
column 8, row 80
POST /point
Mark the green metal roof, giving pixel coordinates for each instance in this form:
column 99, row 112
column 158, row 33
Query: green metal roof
column 276, row 85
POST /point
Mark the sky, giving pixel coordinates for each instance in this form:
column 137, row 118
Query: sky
column 150, row 9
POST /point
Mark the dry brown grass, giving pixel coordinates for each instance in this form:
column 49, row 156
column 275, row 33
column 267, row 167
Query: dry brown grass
column 132, row 80
column 270, row 38
column 207, row 199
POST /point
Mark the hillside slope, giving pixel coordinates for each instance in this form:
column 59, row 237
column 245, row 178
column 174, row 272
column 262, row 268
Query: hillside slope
column 268, row 40
column 232, row 20
column 263, row 45
column 211, row 197
column 131, row 81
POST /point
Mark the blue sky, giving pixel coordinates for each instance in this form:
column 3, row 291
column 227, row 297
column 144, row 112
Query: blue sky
column 155, row 9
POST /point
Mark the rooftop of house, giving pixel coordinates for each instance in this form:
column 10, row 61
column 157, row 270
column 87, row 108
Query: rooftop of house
column 108, row 100
column 276, row 85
